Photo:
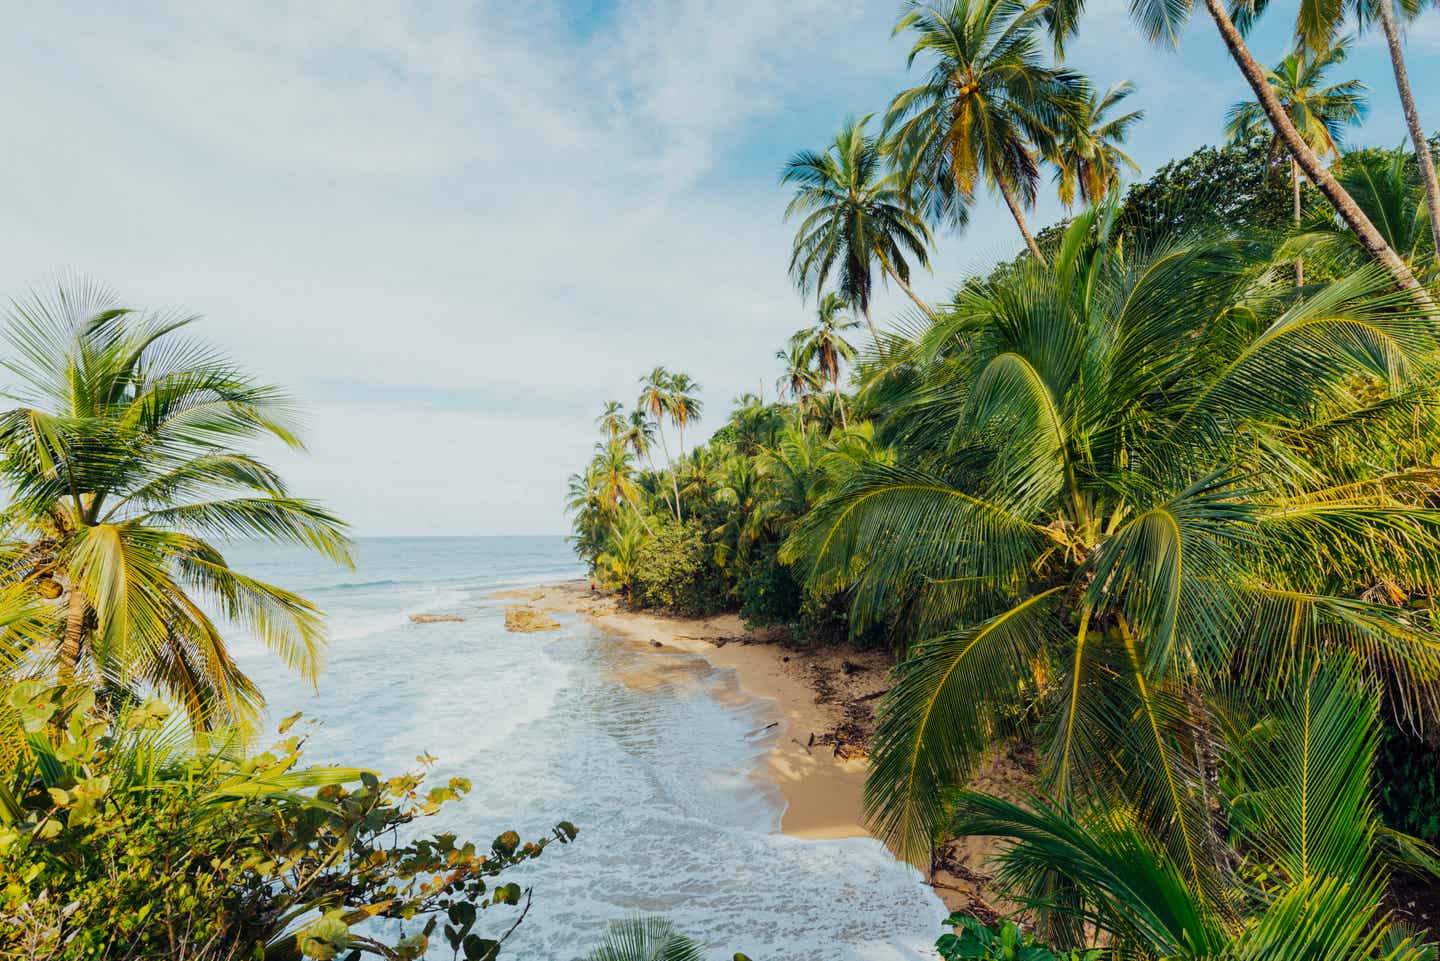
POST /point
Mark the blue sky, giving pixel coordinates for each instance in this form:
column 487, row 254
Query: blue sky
column 454, row 229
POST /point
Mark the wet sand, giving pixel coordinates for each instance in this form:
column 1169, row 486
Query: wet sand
column 824, row 699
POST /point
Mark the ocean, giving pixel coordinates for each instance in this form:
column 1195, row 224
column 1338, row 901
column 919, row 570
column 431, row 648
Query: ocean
column 656, row 768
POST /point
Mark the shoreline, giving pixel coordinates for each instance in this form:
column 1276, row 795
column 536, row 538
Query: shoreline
column 821, row 782
column 824, row 700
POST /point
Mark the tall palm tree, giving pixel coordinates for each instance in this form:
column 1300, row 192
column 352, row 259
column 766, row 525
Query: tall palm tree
column 826, row 345
column 1295, row 796
column 684, row 404
column 1317, row 24
column 124, row 458
column 800, row 380
column 1162, row 21
column 612, row 419
column 1088, row 155
column 988, row 108
column 856, row 215
column 1319, row 112
column 1128, row 486
column 655, row 391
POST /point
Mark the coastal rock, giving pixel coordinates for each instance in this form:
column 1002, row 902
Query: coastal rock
column 523, row 619
column 434, row 618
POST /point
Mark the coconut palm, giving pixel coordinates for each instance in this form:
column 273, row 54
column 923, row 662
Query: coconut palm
column 126, row 463
column 655, row 393
column 684, row 405
column 1128, row 482
column 800, row 381
column 1295, row 794
column 1319, row 112
column 1088, row 155
column 1384, row 186
column 612, row 419
column 1316, row 26
column 1162, row 21
column 644, row 939
column 826, row 345
column 857, row 215
column 615, row 481
column 989, row 107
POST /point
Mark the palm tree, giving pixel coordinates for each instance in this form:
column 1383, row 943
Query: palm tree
column 645, row 939
column 612, row 420
column 1088, row 156
column 800, row 380
column 1316, row 25
column 1319, row 113
column 856, row 215
column 989, row 105
column 1301, row 871
column 615, row 481
column 655, row 391
column 683, row 406
column 1128, row 484
column 124, row 461
column 1383, row 185
column 826, row 346
column 1163, row 20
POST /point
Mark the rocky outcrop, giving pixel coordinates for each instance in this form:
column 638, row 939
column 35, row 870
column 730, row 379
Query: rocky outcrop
column 435, row 618
column 523, row 619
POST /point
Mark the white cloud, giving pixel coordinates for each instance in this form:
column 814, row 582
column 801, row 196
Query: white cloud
column 473, row 220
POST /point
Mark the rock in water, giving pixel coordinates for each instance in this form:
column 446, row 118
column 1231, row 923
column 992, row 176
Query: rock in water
column 523, row 619
column 434, row 618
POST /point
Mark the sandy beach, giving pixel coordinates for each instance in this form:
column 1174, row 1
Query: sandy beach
column 824, row 699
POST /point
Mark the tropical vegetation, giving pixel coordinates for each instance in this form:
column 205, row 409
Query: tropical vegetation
column 1151, row 506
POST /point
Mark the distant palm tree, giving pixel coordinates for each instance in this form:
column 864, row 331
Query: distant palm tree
column 684, row 404
column 1319, row 113
column 125, row 470
column 1316, row 26
column 616, row 481
column 989, row 106
column 826, row 345
column 639, row 434
column 1088, row 156
column 799, row 381
column 612, row 419
column 655, row 388
column 857, row 216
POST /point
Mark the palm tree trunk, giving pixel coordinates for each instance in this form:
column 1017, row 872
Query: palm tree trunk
column 1309, row 162
column 873, row 332
column 839, row 402
column 1295, row 187
column 909, row 292
column 74, row 634
column 669, row 465
column 1412, row 118
column 1010, row 202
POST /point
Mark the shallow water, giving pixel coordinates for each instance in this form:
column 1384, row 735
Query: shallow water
column 654, row 762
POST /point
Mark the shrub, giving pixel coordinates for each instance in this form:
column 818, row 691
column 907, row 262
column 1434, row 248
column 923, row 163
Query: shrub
column 676, row 570
column 131, row 838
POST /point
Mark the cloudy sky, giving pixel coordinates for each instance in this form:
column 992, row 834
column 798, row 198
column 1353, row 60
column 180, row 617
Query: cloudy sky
column 454, row 229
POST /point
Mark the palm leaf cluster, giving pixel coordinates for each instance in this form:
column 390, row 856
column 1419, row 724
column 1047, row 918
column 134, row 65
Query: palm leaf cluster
column 1303, row 867
column 1129, row 478
column 126, row 463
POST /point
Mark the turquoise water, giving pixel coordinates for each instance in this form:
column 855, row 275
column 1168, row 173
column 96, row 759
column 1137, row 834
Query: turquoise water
column 651, row 755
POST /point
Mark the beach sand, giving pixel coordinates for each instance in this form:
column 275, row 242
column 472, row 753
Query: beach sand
column 824, row 698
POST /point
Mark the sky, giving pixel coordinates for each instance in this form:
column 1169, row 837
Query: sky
column 455, row 229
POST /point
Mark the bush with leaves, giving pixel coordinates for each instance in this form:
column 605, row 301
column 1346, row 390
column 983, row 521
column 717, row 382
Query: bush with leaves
column 133, row 837
column 676, row 570
column 970, row 939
